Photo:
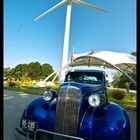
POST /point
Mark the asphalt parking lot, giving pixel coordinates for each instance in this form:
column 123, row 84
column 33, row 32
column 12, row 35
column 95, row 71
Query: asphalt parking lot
column 14, row 103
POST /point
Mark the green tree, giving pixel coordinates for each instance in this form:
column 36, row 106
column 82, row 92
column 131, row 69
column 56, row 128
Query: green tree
column 47, row 69
column 133, row 74
column 107, row 83
column 17, row 72
column 134, row 53
column 7, row 73
column 34, row 70
column 25, row 70
column 120, row 81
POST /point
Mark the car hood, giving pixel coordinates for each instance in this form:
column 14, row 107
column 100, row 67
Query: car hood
column 84, row 87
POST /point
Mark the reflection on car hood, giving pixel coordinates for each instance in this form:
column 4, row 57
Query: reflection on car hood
column 85, row 87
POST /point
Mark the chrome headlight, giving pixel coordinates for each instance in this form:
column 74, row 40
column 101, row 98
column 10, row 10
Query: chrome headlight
column 94, row 100
column 47, row 95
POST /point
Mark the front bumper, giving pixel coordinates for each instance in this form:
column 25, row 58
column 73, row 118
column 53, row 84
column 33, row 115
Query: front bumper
column 21, row 135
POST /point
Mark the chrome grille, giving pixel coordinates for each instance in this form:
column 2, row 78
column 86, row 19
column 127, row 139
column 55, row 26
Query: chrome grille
column 67, row 111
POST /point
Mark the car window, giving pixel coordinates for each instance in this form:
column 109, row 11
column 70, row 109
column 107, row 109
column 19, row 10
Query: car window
column 89, row 77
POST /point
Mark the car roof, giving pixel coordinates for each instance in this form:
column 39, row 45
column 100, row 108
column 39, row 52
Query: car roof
column 85, row 70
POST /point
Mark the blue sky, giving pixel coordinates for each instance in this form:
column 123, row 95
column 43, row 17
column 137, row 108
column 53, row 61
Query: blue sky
column 27, row 40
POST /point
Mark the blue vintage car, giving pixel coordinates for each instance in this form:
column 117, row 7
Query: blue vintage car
column 79, row 111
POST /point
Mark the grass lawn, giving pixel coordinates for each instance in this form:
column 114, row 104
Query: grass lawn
column 129, row 102
column 30, row 90
column 129, row 105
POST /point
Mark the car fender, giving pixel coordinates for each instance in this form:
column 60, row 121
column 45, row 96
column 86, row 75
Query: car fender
column 42, row 112
column 108, row 121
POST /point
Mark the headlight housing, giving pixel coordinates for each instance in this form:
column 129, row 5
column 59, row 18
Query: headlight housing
column 94, row 100
column 47, row 95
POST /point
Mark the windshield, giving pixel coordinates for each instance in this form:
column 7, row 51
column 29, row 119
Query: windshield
column 85, row 77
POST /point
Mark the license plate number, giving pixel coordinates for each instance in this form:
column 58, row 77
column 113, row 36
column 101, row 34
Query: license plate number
column 29, row 125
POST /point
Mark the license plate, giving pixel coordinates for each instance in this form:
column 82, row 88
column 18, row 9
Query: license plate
column 29, row 125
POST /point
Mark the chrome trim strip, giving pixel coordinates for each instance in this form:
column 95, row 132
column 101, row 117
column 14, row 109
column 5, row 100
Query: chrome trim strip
column 58, row 134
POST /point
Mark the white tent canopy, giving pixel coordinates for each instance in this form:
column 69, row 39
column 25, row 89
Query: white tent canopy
column 109, row 59
column 122, row 62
